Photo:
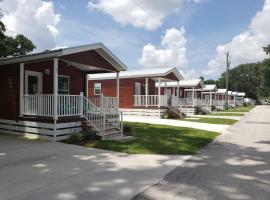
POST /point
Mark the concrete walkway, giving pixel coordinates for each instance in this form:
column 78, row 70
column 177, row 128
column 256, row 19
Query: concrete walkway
column 235, row 166
column 222, row 117
column 39, row 170
column 175, row 122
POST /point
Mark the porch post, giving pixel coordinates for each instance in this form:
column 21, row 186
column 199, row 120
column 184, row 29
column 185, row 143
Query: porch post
column 55, row 87
column 146, row 92
column 117, row 90
column 193, row 96
column 178, row 92
column 159, row 82
column 86, row 85
column 21, row 88
column 210, row 99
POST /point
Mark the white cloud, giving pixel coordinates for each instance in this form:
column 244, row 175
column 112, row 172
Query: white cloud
column 189, row 74
column 172, row 52
column 36, row 19
column 246, row 46
column 148, row 14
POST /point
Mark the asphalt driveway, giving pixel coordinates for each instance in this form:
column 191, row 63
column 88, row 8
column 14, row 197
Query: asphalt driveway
column 42, row 170
column 235, row 166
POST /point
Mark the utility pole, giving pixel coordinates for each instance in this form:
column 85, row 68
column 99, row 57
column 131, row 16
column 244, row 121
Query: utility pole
column 227, row 79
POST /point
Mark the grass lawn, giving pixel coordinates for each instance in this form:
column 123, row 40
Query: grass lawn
column 227, row 114
column 159, row 139
column 213, row 120
column 240, row 109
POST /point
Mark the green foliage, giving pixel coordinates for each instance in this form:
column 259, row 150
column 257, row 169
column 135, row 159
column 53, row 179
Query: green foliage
column 14, row 46
column 127, row 129
column 89, row 135
column 74, row 138
column 267, row 49
column 251, row 78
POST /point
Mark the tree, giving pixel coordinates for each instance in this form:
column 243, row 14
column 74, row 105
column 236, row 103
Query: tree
column 14, row 46
column 267, row 49
column 210, row 81
column 245, row 78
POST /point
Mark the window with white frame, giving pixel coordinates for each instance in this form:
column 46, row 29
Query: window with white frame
column 97, row 88
column 63, row 84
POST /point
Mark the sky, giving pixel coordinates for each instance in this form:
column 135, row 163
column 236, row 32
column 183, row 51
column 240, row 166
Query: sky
column 192, row 35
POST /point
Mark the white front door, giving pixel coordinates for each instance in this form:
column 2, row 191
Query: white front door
column 137, row 88
column 33, row 82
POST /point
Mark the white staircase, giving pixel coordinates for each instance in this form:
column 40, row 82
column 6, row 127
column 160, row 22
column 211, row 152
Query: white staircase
column 104, row 117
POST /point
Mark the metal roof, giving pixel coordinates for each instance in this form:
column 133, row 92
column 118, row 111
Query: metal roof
column 157, row 72
column 98, row 47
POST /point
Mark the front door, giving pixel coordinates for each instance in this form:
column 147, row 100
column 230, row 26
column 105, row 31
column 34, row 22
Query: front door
column 33, row 82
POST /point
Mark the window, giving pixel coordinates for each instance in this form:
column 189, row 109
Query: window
column 97, row 88
column 63, row 84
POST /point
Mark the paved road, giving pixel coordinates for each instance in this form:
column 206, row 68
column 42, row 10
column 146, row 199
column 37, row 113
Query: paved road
column 235, row 166
column 39, row 170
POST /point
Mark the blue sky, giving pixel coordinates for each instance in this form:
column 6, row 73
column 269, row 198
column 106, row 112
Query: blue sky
column 202, row 25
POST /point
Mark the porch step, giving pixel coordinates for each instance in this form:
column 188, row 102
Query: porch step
column 110, row 131
column 191, row 111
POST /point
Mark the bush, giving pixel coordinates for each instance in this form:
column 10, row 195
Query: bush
column 74, row 138
column 88, row 135
column 166, row 115
column 127, row 130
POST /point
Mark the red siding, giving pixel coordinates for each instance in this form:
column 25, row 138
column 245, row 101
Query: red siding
column 9, row 87
column 126, row 89
column 91, row 58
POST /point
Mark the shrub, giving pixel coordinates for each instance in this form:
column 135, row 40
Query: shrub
column 166, row 115
column 74, row 138
column 127, row 130
column 88, row 135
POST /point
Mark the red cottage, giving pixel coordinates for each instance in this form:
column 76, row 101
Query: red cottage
column 45, row 93
column 137, row 93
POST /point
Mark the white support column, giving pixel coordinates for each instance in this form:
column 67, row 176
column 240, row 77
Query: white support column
column 21, row 88
column 146, row 92
column 159, row 82
column 178, row 90
column 193, row 96
column 86, row 85
column 234, row 101
column 210, row 99
column 81, row 104
column 55, row 87
column 117, row 89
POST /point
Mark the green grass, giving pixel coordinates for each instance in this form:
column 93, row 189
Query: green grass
column 213, row 120
column 159, row 139
column 226, row 114
column 240, row 109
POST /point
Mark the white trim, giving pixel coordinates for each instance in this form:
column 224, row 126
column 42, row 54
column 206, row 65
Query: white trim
column 55, row 87
column 38, row 128
column 117, row 88
column 39, row 75
column 21, row 86
column 95, row 88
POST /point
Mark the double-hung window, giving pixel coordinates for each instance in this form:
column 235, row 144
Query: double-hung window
column 97, row 88
column 63, row 84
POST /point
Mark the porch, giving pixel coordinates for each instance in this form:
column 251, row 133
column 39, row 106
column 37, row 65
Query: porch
column 55, row 91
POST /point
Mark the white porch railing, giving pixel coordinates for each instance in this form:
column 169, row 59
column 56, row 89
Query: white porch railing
column 43, row 105
column 150, row 100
